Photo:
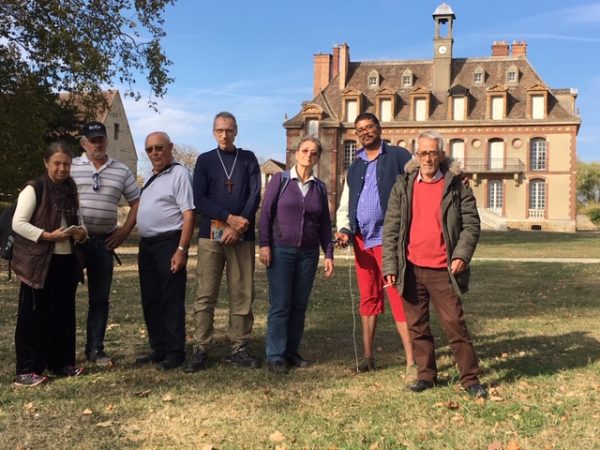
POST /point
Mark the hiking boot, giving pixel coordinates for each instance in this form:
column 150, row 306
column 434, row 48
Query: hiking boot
column 366, row 365
column 198, row 361
column 171, row 362
column 30, row 379
column 421, row 385
column 243, row 359
column 477, row 390
column 67, row 371
column 100, row 359
column 410, row 377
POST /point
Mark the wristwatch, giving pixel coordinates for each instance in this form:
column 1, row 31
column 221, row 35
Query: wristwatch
column 181, row 249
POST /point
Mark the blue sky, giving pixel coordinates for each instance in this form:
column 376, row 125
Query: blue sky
column 254, row 58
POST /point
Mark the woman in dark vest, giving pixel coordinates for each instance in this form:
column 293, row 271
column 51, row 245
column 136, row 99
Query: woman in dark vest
column 47, row 224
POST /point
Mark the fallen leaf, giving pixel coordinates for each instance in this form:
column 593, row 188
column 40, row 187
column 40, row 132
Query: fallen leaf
column 480, row 400
column 109, row 407
column 521, row 353
column 207, row 447
column 277, row 437
column 143, row 393
column 106, row 424
column 374, row 446
column 451, row 405
column 28, row 405
column 167, row 398
column 496, row 398
column 496, row 445
column 512, row 445
column 87, row 412
column 280, row 447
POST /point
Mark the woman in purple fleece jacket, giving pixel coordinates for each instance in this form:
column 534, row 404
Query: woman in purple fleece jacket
column 294, row 222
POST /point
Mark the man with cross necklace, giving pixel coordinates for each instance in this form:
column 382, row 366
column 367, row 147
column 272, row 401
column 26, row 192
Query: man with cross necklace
column 226, row 194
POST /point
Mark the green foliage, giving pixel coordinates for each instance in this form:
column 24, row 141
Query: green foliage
column 594, row 215
column 588, row 182
column 74, row 46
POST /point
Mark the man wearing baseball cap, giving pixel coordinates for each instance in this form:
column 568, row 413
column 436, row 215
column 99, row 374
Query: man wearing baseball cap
column 101, row 182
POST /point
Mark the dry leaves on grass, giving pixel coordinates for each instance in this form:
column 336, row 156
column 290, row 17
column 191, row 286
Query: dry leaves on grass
column 513, row 445
column 449, row 405
column 277, row 437
column 143, row 393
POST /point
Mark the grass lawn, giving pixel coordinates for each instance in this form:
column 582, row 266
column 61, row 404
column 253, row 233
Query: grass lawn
column 536, row 328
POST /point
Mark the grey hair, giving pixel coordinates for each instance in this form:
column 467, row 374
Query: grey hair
column 161, row 133
column 225, row 115
column 434, row 136
column 314, row 140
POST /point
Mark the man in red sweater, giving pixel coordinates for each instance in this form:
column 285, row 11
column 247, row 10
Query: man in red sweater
column 430, row 233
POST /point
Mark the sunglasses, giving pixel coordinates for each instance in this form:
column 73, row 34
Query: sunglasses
column 96, row 179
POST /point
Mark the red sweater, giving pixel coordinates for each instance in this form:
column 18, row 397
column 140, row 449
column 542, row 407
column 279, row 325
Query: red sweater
column 426, row 247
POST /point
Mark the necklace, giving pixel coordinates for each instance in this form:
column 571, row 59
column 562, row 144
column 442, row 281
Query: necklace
column 228, row 183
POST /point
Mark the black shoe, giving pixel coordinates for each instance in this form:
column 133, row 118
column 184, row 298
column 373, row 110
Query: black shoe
column 477, row 390
column 171, row 362
column 243, row 359
column 198, row 361
column 421, row 385
column 153, row 357
column 296, row 360
column 278, row 366
column 67, row 371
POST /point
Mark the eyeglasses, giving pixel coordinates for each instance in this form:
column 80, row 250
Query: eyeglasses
column 309, row 153
column 224, row 130
column 432, row 154
column 96, row 179
column 366, row 129
column 158, row 148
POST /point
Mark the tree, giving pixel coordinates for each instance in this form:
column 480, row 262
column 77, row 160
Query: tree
column 186, row 155
column 81, row 45
column 588, row 182
column 77, row 46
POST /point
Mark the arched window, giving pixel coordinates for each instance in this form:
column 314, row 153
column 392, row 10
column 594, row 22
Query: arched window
column 349, row 153
column 537, row 199
column 537, row 154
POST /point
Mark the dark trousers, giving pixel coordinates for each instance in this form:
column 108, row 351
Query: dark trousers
column 163, row 295
column 45, row 333
column 99, row 267
column 421, row 286
column 291, row 275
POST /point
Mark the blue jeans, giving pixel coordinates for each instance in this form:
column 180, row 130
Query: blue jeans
column 291, row 275
column 99, row 264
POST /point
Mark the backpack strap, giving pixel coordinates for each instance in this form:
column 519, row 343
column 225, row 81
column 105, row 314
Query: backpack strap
column 153, row 177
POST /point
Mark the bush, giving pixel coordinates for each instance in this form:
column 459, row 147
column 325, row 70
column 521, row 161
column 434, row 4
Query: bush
column 594, row 215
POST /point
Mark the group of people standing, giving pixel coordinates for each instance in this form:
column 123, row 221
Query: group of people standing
column 413, row 235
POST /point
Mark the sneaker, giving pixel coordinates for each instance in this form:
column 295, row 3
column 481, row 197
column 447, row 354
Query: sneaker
column 411, row 374
column 67, row 371
column 101, row 359
column 171, row 362
column 366, row 365
column 198, row 361
column 30, row 379
column 243, row 359
column 477, row 390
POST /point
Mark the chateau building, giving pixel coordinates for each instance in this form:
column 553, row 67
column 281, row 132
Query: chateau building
column 515, row 136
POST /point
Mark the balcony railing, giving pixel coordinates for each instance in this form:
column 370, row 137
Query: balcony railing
column 536, row 213
column 493, row 165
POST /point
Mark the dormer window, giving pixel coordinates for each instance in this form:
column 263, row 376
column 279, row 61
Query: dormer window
column 407, row 79
column 497, row 103
column 385, row 104
column 312, row 127
column 420, row 101
column 351, row 99
column 479, row 76
column 512, row 75
column 373, row 81
column 537, row 101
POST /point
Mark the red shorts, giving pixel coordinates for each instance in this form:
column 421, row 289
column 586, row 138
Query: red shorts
column 371, row 282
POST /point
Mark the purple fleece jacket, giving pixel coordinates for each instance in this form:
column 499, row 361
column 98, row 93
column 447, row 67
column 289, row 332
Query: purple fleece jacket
column 294, row 220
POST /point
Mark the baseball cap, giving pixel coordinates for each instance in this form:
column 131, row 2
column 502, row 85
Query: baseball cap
column 93, row 129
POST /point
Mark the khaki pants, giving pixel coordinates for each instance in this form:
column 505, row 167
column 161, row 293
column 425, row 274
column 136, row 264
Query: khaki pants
column 212, row 259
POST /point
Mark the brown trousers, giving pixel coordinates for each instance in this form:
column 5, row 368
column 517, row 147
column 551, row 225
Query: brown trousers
column 238, row 262
column 420, row 286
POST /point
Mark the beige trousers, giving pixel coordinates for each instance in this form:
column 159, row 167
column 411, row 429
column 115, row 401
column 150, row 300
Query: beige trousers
column 239, row 261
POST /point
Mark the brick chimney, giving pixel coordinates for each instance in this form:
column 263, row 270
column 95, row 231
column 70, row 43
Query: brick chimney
column 519, row 48
column 500, row 48
column 322, row 72
column 336, row 62
column 344, row 62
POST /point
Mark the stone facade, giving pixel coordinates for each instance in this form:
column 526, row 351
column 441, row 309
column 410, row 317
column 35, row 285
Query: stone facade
column 515, row 136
